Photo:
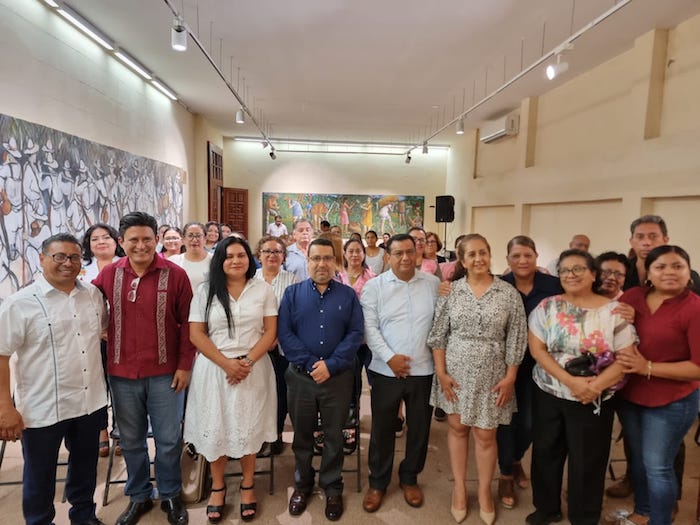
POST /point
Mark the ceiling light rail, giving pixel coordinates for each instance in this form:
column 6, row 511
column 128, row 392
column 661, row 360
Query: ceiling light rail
column 111, row 47
column 564, row 46
column 243, row 107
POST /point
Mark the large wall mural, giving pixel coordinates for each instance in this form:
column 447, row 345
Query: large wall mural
column 353, row 213
column 53, row 182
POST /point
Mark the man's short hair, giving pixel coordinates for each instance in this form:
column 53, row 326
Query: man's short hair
column 321, row 242
column 137, row 218
column 325, row 224
column 299, row 221
column 650, row 219
column 398, row 238
column 416, row 229
column 59, row 237
column 278, row 217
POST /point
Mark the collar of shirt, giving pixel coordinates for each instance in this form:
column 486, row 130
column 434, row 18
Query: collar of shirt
column 158, row 263
column 46, row 287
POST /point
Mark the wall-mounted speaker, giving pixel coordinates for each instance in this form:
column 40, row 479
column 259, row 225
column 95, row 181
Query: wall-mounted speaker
column 444, row 208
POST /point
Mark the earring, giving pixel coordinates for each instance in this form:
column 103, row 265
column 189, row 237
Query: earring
column 648, row 283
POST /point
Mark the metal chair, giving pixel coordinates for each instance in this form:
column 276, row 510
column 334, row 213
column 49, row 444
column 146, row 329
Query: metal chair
column 109, row 481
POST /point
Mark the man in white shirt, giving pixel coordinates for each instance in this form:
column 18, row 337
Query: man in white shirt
column 297, row 252
column 277, row 229
column 54, row 325
column 398, row 307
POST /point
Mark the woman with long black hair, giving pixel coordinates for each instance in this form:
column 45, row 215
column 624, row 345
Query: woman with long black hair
column 232, row 404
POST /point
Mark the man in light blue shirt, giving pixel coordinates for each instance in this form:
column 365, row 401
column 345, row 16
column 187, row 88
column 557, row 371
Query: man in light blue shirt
column 295, row 261
column 398, row 307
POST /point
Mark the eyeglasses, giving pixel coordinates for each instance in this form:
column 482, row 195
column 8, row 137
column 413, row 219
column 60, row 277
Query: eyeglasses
column 576, row 271
column 430, row 242
column 172, row 239
column 131, row 296
column 322, row 258
column 272, row 252
column 418, row 240
column 194, row 236
column 604, row 274
column 60, row 258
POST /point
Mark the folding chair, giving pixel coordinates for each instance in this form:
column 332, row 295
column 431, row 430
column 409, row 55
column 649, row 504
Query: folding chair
column 109, row 481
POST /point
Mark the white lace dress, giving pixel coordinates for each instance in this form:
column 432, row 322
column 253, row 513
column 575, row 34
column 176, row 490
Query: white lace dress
column 232, row 420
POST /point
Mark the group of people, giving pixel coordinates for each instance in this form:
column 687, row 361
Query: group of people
column 257, row 333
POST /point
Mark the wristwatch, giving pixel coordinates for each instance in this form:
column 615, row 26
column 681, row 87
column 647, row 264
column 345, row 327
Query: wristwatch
column 249, row 361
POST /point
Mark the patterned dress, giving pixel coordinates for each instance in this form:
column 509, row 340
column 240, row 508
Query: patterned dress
column 481, row 337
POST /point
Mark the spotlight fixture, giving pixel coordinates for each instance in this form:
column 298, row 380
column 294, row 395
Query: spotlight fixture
column 408, row 158
column 178, row 35
column 556, row 69
column 273, row 155
column 460, row 127
column 240, row 117
column 425, row 148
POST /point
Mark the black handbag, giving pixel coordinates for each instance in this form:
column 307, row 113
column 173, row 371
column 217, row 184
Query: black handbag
column 582, row 366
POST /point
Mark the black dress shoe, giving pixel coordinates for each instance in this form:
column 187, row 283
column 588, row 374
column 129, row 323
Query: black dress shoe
column 133, row 512
column 297, row 503
column 93, row 521
column 334, row 507
column 543, row 518
column 177, row 513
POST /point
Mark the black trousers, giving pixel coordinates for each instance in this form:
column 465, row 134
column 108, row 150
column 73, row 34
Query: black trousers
column 387, row 394
column 280, row 365
column 305, row 399
column 562, row 428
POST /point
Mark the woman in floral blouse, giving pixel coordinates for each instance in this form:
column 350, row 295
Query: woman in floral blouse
column 571, row 414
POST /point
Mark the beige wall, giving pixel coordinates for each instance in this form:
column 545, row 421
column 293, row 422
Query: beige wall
column 247, row 165
column 56, row 77
column 593, row 172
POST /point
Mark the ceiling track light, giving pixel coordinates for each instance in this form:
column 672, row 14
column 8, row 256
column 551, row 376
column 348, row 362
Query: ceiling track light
column 273, row 155
column 460, row 127
column 425, row 148
column 178, row 35
column 240, row 117
column 408, row 158
column 554, row 70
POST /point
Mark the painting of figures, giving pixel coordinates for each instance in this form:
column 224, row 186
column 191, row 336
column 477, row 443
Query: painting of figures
column 352, row 213
column 52, row 182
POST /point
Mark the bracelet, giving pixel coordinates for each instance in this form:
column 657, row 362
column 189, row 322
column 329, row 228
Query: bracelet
column 649, row 363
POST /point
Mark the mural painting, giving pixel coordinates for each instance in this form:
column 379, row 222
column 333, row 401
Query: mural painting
column 353, row 213
column 52, row 182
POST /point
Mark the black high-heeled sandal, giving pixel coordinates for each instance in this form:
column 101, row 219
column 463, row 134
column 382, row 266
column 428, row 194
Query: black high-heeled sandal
column 248, row 507
column 216, row 509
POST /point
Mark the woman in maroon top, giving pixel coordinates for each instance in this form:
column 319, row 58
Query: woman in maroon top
column 661, row 397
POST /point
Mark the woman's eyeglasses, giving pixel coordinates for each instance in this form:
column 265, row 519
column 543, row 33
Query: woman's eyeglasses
column 272, row 252
column 194, row 236
column 576, row 271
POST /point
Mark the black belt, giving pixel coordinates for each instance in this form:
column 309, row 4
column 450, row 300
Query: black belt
column 299, row 369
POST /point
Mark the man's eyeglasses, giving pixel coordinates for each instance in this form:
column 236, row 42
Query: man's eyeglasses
column 576, row 271
column 194, row 236
column 418, row 240
column 322, row 258
column 131, row 296
column 272, row 252
column 604, row 274
column 60, row 257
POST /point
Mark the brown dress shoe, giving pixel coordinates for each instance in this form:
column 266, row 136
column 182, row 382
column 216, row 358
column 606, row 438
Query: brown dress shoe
column 413, row 495
column 373, row 500
column 297, row 503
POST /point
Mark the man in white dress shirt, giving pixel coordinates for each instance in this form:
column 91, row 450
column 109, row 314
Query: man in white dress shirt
column 277, row 229
column 398, row 306
column 54, row 325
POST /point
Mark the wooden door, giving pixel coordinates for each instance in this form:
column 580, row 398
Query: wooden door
column 215, row 170
column 234, row 209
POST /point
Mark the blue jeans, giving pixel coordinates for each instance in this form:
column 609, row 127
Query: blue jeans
column 40, row 448
column 134, row 401
column 654, row 435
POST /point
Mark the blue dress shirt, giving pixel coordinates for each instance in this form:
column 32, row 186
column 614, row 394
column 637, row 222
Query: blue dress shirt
column 313, row 326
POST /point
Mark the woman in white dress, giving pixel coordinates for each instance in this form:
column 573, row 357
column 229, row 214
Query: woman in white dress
column 232, row 403
column 196, row 259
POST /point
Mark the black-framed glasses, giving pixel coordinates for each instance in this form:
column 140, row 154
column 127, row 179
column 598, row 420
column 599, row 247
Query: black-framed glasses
column 322, row 258
column 604, row 274
column 576, row 271
column 194, row 236
column 131, row 296
column 272, row 252
column 60, row 257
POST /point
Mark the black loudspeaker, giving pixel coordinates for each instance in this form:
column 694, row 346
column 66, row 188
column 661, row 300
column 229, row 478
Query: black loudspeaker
column 444, row 208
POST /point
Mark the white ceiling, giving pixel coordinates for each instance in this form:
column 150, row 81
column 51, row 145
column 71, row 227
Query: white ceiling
column 368, row 70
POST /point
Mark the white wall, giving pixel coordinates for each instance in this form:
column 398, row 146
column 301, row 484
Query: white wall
column 55, row 76
column 247, row 165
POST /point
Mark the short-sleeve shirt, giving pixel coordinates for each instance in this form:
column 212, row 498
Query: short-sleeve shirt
column 569, row 330
column 247, row 326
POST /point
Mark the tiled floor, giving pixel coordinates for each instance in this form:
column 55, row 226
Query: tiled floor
column 435, row 481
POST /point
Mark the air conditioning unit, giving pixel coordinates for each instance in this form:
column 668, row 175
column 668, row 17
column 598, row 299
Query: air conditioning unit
column 493, row 130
